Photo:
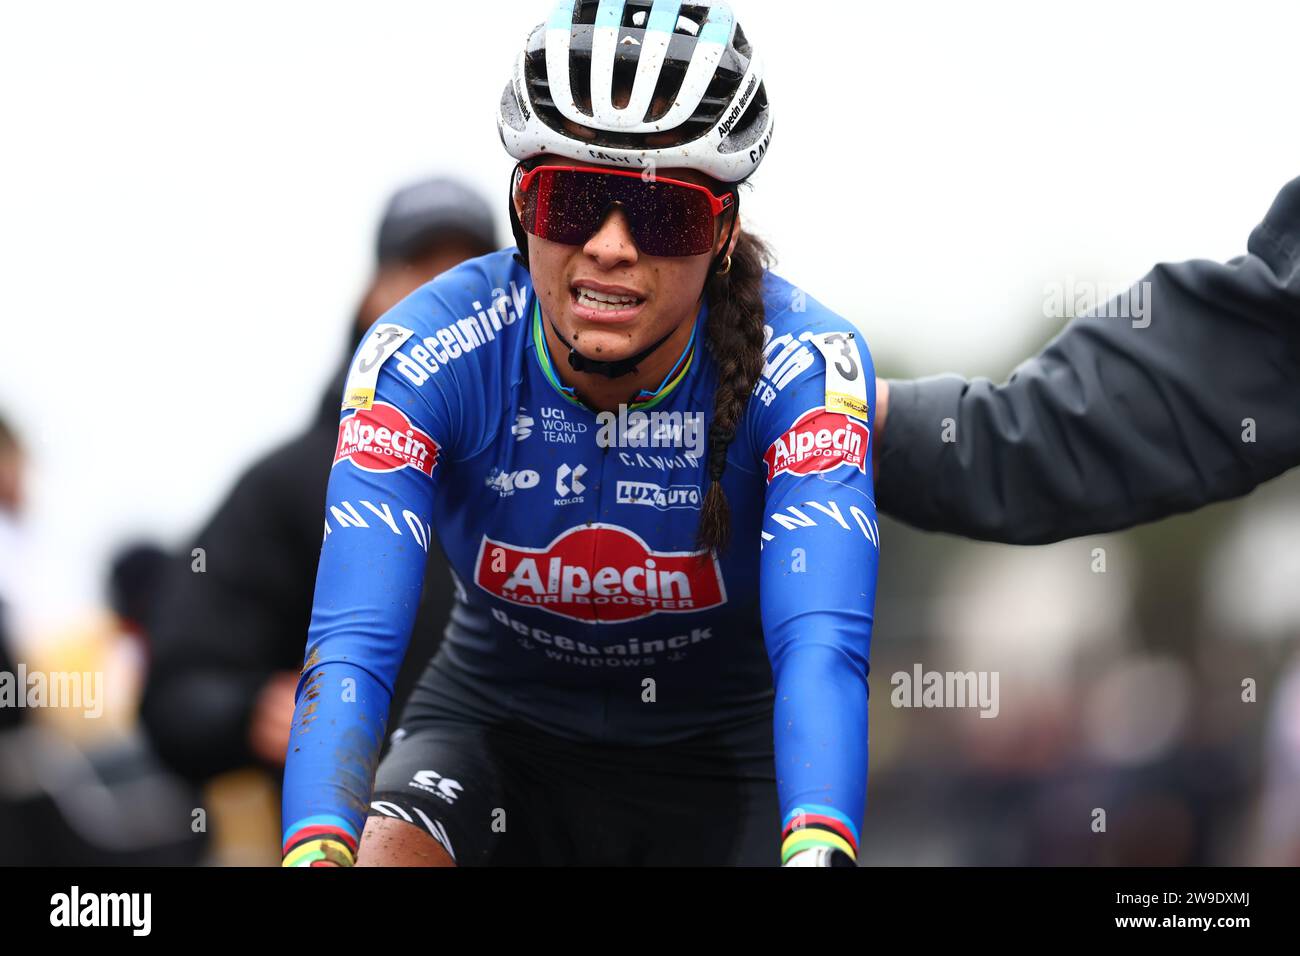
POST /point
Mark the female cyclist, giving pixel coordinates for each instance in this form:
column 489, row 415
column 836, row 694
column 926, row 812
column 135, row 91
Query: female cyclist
column 647, row 459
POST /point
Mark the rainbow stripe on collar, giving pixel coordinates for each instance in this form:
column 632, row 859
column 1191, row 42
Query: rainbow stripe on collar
column 646, row 398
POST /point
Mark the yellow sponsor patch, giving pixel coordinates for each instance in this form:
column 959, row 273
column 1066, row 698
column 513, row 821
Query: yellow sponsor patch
column 359, row 398
column 847, row 405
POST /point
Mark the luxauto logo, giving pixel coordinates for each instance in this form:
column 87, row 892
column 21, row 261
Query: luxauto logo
column 657, row 496
column 632, row 581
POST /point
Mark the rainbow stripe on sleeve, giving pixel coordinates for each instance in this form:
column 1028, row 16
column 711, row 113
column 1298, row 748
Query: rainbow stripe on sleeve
column 814, row 824
column 318, row 840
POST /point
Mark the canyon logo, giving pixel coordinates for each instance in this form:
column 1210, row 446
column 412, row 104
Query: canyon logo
column 818, row 441
column 600, row 573
column 382, row 438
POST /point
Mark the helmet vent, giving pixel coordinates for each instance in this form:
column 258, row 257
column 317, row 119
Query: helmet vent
column 690, row 20
column 624, row 78
column 580, row 83
column 636, row 13
column 667, row 88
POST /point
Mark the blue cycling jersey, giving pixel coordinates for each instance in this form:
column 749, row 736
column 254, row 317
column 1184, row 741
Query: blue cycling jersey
column 583, row 605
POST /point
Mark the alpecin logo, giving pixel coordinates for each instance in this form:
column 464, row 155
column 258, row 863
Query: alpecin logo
column 818, row 441
column 600, row 573
column 382, row 439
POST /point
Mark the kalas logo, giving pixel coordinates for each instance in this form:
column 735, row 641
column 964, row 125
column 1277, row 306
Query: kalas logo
column 382, row 438
column 818, row 441
column 630, row 582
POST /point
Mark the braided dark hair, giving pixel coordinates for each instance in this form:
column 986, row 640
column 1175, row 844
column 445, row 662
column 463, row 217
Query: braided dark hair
column 735, row 340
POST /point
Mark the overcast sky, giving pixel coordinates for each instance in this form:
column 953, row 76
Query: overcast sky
column 189, row 191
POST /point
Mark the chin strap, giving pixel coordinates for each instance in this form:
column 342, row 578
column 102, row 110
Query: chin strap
column 723, row 256
column 580, row 363
column 521, row 237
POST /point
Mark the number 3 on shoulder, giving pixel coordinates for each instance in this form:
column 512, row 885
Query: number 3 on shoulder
column 846, row 384
column 380, row 344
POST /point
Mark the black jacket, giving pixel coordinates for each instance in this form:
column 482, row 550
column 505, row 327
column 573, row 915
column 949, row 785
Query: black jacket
column 217, row 636
column 1113, row 425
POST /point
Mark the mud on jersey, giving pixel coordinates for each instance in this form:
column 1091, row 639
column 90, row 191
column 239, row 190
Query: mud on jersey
column 583, row 605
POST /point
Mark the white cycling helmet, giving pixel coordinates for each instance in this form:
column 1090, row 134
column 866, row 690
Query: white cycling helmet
column 697, row 96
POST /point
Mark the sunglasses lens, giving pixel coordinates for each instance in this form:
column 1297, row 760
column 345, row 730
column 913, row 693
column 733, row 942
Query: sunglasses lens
column 564, row 207
column 666, row 219
column 670, row 220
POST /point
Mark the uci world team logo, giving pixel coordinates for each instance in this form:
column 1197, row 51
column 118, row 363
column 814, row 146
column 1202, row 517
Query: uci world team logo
column 600, row 573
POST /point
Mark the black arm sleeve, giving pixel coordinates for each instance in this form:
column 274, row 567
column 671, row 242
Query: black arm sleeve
column 1112, row 425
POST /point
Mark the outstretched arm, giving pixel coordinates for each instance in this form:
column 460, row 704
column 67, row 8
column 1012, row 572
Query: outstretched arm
column 1116, row 423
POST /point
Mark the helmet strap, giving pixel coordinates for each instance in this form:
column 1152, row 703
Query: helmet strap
column 724, row 255
column 521, row 237
column 580, row 363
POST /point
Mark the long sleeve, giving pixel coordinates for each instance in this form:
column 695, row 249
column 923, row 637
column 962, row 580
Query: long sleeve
column 818, row 580
column 391, row 446
column 1116, row 422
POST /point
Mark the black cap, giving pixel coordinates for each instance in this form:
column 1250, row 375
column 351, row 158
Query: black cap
column 423, row 213
column 135, row 579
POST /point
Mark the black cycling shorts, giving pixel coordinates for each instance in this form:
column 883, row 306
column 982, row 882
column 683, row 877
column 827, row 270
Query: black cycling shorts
column 507, row 793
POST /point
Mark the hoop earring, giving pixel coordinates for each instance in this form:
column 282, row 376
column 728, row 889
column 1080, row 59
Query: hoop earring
column 726, row 267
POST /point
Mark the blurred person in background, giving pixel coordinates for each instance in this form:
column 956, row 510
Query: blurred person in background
column 227, row 638
column 1276, row 828
column 12, row 463
column 135, row 579
column 1117, row 421
column 137, row 574
column 78, row 785
column 16, row 845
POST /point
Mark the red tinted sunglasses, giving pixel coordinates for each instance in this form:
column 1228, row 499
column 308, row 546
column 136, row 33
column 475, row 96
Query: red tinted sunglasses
column 668, row 217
